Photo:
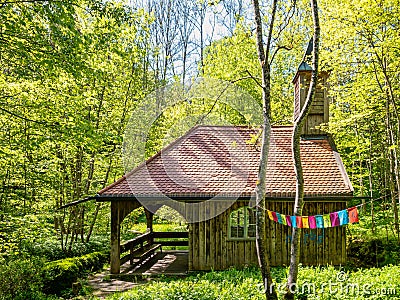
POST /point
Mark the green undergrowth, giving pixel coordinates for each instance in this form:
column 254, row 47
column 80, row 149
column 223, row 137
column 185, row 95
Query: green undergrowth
column 314, row 283
column 38, row 279
column 373, row 242
column 59, row 275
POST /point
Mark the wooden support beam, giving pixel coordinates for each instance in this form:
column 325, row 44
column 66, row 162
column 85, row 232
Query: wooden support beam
column 149, row 219
column 115, row 238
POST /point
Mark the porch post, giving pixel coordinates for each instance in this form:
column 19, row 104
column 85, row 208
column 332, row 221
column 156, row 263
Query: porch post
column 149, row 220
column 115, row 238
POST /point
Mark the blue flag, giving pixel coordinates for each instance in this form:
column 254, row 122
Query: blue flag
column 343, row 217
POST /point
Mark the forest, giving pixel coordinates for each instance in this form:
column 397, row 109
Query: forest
column 76, row 75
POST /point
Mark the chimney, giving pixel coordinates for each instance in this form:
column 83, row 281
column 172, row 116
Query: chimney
column 319, row 111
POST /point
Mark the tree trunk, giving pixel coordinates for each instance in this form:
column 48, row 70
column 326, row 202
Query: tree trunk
column 371, row 191
column 261, row 243
column 298, row 125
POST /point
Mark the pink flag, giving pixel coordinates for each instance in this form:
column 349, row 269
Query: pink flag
column 312, row 222
column 334, row 219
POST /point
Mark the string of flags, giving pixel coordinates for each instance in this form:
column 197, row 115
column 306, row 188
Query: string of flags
column 333, row 219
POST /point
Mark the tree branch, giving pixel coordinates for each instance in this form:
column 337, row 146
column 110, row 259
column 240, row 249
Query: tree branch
column 27, row 119
column 220, row 95
column 254, row 78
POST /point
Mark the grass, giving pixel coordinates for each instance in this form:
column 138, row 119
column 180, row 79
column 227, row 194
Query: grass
column 314, row 283
column 374, row 272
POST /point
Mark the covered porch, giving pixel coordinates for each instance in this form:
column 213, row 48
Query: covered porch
column 167, row 262
column 144, row 253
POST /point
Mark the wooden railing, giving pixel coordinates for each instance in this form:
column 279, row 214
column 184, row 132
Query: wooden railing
column 136, row 244
column 146, row 244
column 179, row 238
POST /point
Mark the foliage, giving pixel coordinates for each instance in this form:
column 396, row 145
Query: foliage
column 60, row 274
column 71, row 73
column 234, row 57
column 16, row 231
column 363, row 58
column 246, row 284
column 373, row 252
column 50, row 247
column 21, row 279
column 242, row 284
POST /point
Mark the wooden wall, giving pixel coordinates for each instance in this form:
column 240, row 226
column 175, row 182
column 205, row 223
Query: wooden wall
column 209, row 247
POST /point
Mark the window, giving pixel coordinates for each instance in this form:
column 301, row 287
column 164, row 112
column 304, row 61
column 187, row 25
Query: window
column 242, row 223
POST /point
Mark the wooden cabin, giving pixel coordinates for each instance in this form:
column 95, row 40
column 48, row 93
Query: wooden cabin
column 209, row 176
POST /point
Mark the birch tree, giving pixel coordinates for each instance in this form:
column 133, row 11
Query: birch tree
column 297, row 128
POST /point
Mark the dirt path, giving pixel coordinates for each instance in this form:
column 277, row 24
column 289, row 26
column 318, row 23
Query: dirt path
column 167, row 263
column 103, row 286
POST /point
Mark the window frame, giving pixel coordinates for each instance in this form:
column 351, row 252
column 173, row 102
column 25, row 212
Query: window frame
column 245, row 225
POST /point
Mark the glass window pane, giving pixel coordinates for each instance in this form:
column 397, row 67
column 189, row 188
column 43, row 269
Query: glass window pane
column 234, row 231
column 237, row 222
column 251, row 212
column 251, row 231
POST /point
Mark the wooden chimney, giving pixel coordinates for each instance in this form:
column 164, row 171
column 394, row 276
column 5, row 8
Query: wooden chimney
column 319, row 112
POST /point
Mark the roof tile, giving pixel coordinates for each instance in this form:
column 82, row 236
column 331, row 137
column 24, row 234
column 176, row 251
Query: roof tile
column 220, row 160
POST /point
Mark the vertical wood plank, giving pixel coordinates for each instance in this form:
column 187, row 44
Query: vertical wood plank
column 211, row 241
column 195, row 249
column 190, row 248
column 224, row 239
column 283, row 235
column 319, row 238
column 279, row 234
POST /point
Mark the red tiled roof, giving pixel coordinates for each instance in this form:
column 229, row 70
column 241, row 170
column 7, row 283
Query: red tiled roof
column 218, row 160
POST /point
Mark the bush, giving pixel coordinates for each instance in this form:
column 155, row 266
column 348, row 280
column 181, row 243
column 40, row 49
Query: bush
column 61, row 274
column 373, row 252
column 50, row 247
column 21, row 279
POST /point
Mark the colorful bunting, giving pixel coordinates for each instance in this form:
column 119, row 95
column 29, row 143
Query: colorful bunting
column 274, row 216
column 294, row 223
column 343, row 217
column 305, row 222
column 270, row 215
column 299, row 222
column 353, row 214
column 327, row 221
column 333, row 219
column 312, row 222
column 288, row 221
column 279, row 217
column 319, row 221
